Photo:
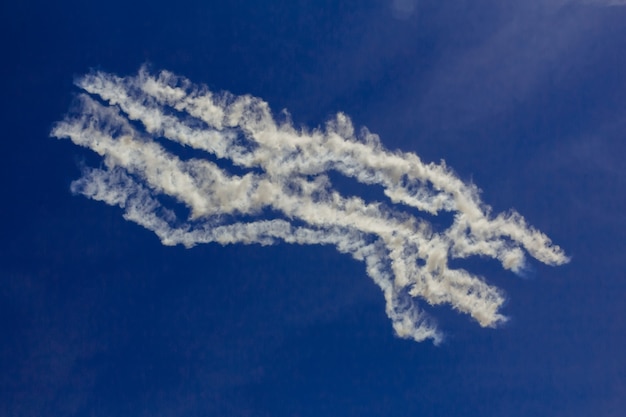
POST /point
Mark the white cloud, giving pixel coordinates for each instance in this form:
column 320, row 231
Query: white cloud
column 286, row 172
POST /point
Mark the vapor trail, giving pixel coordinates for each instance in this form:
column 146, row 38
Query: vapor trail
column 133, row 122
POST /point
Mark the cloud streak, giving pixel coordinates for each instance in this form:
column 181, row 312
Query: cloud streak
column 255, row 180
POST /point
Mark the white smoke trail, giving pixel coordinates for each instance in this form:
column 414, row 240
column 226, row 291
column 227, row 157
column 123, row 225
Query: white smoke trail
column 126, row 120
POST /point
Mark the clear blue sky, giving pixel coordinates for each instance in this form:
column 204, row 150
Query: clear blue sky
column 526, row 101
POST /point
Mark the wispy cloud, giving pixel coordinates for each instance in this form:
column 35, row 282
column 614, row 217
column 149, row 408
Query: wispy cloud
column 285, row 173
column 605, row 2
column 403, row 9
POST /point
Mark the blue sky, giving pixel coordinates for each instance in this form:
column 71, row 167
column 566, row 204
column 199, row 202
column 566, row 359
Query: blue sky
column 525, row 101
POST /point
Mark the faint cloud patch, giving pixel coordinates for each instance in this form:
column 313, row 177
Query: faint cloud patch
column 605, row 2
column 403, row 9
column 592, row 166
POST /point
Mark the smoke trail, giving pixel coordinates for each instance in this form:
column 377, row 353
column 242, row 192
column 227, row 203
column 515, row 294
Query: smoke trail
column 133, row 121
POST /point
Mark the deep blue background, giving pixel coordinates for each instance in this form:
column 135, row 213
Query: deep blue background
column 528, row 101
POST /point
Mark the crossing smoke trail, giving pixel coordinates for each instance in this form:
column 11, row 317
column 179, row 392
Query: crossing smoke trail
column 129, row 121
